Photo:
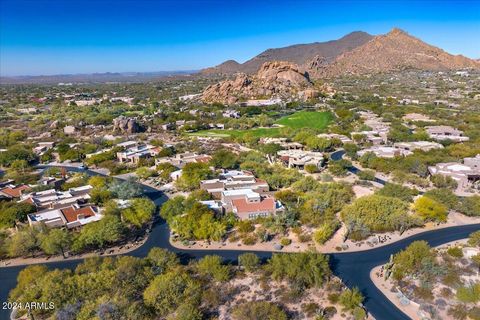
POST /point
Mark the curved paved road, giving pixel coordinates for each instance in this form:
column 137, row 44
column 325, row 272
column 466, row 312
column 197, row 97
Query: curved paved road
column 352, row 268
column 338, row 155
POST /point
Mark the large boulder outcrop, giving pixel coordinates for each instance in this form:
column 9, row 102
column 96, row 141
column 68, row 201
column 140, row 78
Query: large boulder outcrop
column 126, row 125
column 274, row 79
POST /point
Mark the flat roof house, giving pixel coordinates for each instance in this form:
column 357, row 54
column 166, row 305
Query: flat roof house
column 385, row 152
column 440, row 133
column 340, row 137
column 135, row 154
column 299, row 158
column 181, row 159
column 418, row 145
column 465, row 173
column 53, row 199
column 234, row 180
column 71, row 217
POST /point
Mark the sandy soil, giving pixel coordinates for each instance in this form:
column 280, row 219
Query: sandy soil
column 254, row 290
column 412, row 309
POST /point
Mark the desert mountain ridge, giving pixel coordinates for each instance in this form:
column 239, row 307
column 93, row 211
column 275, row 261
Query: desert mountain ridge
column 355, row 53
column 394, row 51
column 299, row 54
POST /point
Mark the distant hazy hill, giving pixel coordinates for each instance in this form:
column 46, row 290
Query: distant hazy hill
column 94, row 77
column 396, row 50
column 298, row 54
column 227, row 67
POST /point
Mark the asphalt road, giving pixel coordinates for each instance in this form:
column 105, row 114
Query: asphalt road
column 352, row 268
column 338, row 155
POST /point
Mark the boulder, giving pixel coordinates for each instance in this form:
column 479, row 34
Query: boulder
column 278, row 79
column 126, row 125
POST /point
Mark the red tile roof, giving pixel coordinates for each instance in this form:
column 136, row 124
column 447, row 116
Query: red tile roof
column 242, row 206
column 15, row 192
column 71, row 213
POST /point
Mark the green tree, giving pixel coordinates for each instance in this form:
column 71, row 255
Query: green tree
column 367, row 174
column 16, row 152
column 192, row 174
column 340, row 167
column 162, row 259
column 303, row 270
column 397, row 191
column 97, row 234
column 351, row 150
column 224, row 159
column 125, row 189
column 170, row 290
column 376, row 214
column 20, row 165
column 165, row 169
column 10, row 213
column 318, row 144
column 311, row 168
column 211, row 266
column 410, row 260
column 172, row 208
column 326, row 231
column 443, row 196
column 139, row 212
column 351, row 298
column 56, row 241
column 270, row 149
column 23, row 243
column 430, row 210
column 474, row 239
column 249, row 261
column 441, row 181
column 98, row 182
column 469, row 206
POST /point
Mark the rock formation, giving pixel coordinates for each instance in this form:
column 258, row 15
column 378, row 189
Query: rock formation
column 126, row 125
column 273, row 79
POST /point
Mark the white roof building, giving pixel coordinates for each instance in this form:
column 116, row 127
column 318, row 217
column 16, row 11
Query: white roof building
column 465, row 173
column 440, row 133
column 299, row 158
column 340, row 137
column 422, row 145
column 385, row 152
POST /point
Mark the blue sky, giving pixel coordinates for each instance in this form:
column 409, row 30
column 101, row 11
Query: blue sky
column 72, row 36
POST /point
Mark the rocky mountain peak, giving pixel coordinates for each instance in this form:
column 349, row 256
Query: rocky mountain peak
column 397, row 31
